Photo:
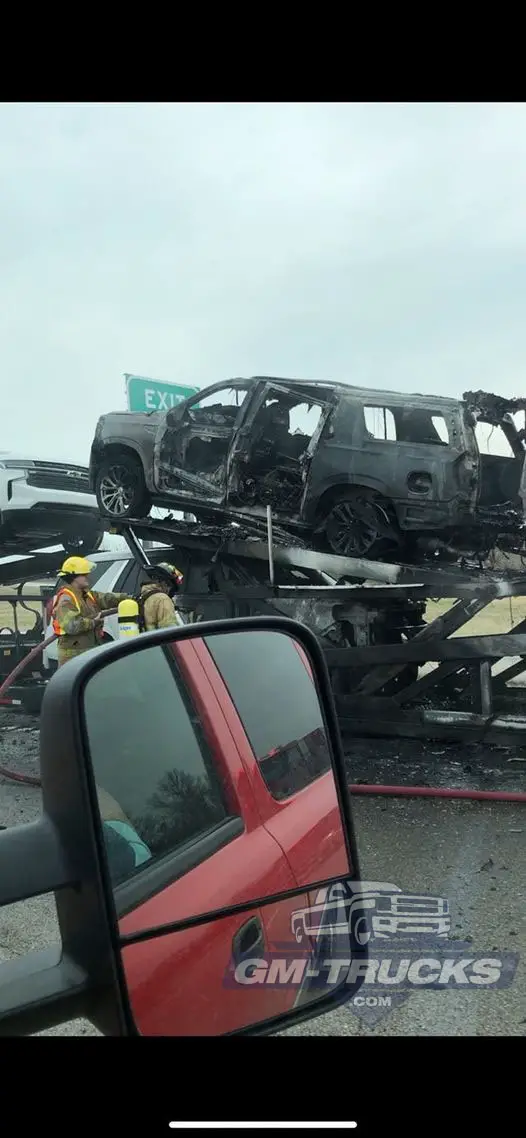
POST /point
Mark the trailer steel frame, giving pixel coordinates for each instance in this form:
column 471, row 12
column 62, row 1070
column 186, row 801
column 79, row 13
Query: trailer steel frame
column 369, row 617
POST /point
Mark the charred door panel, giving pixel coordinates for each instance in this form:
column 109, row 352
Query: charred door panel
column 499, row 480
column 420, row 456
column 417, row 457
column 499, row 467
column 272, row 456
column 499, row 444
column 193, row 444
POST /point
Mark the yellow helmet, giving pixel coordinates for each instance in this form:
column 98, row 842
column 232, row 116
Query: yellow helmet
column 79, row 566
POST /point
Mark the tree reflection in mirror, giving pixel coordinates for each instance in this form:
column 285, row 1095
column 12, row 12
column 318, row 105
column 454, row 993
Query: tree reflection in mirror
column 215, row 784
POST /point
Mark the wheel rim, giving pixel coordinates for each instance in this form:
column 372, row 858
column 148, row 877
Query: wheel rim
column 349, row 535
column 117, row 490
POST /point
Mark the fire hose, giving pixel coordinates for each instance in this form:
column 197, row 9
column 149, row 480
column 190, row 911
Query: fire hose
column 15, row 776
column 355, row 788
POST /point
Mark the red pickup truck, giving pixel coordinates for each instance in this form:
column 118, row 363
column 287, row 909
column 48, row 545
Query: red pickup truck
column 218, row 795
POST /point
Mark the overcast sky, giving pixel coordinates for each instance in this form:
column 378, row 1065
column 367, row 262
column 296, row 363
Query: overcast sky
column 381, row 243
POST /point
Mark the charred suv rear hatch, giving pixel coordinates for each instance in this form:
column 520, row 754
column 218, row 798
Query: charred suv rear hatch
column 501, row 486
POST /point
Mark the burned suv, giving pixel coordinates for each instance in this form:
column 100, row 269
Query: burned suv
column 354, row 470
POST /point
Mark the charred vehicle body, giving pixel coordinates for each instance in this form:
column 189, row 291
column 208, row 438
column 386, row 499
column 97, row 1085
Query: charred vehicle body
column 357, row 471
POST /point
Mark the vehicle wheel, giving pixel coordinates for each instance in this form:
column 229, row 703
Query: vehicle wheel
column 120, row 489
column 360, row 523
column 84, row 540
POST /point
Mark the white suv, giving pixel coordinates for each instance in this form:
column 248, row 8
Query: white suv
column 45, row 503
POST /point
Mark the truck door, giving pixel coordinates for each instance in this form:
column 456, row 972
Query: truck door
column 178, row 779
column 286, row 757
column 193, row 442
column 271, row 456
column 500, row 462
column 414, row 455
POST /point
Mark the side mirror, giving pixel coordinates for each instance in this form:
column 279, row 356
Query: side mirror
column 197, row 833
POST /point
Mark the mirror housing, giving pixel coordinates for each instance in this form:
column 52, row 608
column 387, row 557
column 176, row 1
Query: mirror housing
column 66, row 852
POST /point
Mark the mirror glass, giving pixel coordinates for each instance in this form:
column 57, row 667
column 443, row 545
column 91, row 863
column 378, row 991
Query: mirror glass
column 215, row 786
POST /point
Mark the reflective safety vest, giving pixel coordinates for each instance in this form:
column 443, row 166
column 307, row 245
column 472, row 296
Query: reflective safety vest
column 57, row 628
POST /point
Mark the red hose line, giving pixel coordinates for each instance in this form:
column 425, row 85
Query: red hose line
column 23, row 664
column 15, row 777
column 27, row 779
column 437, row 792
column 355, row 788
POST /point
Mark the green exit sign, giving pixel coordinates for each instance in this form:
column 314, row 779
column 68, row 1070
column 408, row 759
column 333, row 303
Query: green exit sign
column 143, row 394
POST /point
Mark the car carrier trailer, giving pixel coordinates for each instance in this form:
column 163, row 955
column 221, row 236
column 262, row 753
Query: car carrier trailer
column 369, row 617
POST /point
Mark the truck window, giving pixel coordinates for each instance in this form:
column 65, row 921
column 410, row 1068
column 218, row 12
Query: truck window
column 304, row 419
column 273, row 699
column 492, row 440
column 226, row 402
column 379, row 423
column 157, row 767
column 406, row 425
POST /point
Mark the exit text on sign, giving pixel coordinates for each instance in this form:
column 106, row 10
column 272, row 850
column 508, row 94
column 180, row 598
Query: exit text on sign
column 149, row 395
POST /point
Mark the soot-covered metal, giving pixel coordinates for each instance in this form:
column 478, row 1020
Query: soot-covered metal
column 376, row 633
column 356, row 471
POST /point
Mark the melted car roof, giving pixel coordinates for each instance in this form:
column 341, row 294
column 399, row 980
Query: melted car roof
column 353, row 391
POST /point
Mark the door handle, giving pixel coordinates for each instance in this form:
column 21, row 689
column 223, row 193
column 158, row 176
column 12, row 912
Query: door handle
column 249, row 938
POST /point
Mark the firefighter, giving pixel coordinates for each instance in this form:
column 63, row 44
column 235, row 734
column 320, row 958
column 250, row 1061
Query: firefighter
column 156, row 605
column 76, row 610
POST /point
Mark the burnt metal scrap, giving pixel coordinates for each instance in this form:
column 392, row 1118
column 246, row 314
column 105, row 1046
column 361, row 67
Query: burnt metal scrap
column 371, row 622
column 492, row 408
column 370, row 618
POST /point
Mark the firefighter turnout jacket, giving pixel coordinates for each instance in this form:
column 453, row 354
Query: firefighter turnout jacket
column 74, row 620
column 156, row 609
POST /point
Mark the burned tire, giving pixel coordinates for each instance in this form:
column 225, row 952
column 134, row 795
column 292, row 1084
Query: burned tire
column 120, row 488
column 361, row 523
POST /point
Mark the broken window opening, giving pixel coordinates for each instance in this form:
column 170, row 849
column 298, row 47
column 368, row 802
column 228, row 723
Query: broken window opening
column 281, row 418
column 274, row 462
column 198, row 442
column 219, row 408
column 380, row 424
column 491, row 439
column 406, row 425
column 500, row 472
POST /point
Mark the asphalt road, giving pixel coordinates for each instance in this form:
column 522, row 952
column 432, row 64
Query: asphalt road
column 472, row 854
